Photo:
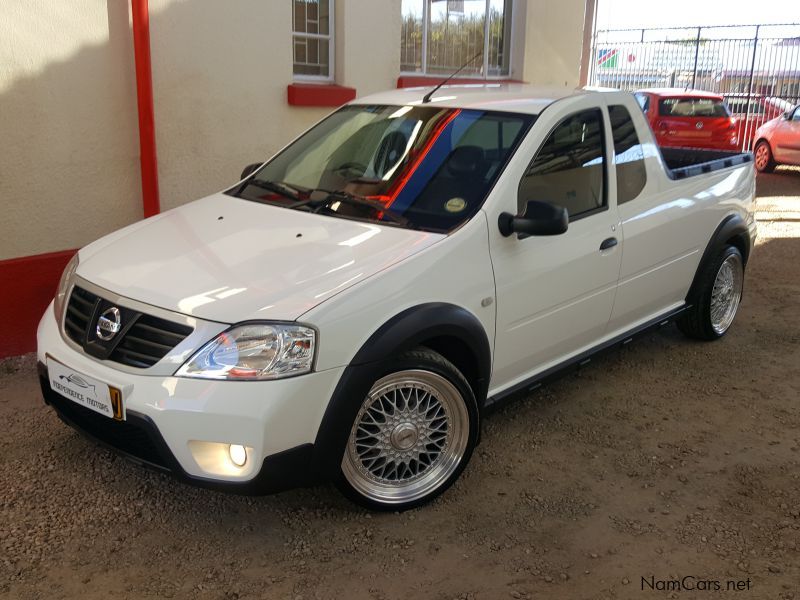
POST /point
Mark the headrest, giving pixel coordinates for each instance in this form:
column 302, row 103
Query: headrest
column 465, row 160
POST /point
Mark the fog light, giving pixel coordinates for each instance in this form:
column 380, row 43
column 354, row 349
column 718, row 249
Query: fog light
column 238, row 454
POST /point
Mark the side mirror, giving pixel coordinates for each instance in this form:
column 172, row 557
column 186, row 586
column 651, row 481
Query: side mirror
column 540, row 218
column 250, row 169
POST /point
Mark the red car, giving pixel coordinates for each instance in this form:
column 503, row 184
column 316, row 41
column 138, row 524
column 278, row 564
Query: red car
column 689, row 118
column 748, row 119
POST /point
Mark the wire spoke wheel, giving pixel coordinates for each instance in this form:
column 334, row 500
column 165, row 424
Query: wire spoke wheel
column 408, row 438
column 726, row 293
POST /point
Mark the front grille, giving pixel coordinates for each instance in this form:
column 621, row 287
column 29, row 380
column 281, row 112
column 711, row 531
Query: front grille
column 142, row 341
column 79, row 314
column 148, row 341
column 124, row 436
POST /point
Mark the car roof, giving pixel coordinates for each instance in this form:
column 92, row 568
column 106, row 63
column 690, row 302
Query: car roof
column 680, row 92
column 508, row 97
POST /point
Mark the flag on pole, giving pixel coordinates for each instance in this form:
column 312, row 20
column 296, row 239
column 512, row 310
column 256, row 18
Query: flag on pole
column 607, row 58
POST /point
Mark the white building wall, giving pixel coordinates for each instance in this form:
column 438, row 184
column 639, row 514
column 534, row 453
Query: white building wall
column 553, row 40
column 69, row 169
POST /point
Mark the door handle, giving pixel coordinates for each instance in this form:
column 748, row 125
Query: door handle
column 608, row 243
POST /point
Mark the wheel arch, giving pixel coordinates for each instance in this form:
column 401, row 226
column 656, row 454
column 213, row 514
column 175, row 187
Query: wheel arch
column 731, row 231
column 452, row 331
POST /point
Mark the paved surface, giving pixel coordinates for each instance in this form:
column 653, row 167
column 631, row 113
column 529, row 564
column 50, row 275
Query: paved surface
column 666, row 460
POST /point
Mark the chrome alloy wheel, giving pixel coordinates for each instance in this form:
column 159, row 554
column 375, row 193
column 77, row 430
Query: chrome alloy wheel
column 408, row 437
column 726, row 293
column 762, row 156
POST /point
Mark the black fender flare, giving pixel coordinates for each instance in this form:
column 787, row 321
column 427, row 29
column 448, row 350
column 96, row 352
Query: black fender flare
column 405, row 331
column 732, row 227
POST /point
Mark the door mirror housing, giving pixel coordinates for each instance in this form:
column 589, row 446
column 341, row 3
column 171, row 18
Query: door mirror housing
column 540, row 218
column 250, row 169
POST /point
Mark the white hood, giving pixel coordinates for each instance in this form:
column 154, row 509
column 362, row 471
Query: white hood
column 227, row 259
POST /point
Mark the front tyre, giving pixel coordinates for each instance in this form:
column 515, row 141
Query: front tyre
column 412, row 436
column 717, row 297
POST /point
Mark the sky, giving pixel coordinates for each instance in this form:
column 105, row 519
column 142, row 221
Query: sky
column 621, row 14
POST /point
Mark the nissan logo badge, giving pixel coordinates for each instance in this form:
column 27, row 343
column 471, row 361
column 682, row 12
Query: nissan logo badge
column 109, row 323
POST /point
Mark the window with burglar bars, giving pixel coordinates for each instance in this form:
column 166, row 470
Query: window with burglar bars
column 312, row 24
column 439, row 36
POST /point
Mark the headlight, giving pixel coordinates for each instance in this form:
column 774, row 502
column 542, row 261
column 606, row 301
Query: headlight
column 60, row 301
column 254, row 351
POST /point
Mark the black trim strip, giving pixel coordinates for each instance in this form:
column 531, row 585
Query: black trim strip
column 579, row 360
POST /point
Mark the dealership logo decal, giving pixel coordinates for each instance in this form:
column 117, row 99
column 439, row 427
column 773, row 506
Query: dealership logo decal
column 109, row 324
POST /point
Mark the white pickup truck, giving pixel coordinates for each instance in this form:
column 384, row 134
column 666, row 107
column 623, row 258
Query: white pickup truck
column 351, row 308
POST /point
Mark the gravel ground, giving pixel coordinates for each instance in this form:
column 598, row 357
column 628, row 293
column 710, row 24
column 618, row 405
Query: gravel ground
column 665, row 460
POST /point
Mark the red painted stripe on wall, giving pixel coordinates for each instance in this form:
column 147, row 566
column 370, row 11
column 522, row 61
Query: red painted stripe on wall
column 27, row 284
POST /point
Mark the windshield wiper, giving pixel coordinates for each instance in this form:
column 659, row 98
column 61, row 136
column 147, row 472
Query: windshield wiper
column 320, row 198
column 281, row 188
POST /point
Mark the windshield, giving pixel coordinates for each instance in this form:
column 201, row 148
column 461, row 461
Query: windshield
column 421, row 167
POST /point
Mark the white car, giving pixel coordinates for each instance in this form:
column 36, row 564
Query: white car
column 352, row 307
column 778, row 141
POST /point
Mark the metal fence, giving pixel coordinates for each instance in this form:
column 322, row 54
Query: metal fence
column 755, row 67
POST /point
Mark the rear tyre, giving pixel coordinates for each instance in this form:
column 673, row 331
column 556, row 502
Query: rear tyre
column 717, row 297
column 412, row 436
column 764, row 161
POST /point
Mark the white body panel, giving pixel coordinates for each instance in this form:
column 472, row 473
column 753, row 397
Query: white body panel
column 554, row 293
column 666, row 229
column 226, row 259
column 540, row 300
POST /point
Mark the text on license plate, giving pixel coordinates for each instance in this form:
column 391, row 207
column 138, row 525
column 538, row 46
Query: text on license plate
column 86, row 391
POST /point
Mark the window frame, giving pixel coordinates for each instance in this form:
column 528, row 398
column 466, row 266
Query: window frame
column 604, row 147
column 616, row 164
column 331, row 76
column 426, row 23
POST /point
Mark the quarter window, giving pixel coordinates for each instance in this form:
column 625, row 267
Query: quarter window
column 628, row 155
column 439, row 36
column 644, row 102
column 568, row 170
column 312, row 26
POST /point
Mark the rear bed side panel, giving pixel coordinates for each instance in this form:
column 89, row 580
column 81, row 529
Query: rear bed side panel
column 667, row 228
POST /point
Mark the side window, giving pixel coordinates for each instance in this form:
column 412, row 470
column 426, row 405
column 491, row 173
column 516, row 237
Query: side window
column 644, row 102
column 568, row 170
column 628, row 155
column 796, row 115
column 312, row 39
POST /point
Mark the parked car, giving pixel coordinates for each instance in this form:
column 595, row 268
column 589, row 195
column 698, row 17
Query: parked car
column 689, row 118
column 778, row 141
column 761, row 109
column 351, row 308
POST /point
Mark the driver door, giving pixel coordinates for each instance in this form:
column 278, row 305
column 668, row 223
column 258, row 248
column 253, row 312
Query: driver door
column 555, row 293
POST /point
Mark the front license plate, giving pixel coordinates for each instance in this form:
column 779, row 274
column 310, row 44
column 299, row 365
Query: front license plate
column 86, row 391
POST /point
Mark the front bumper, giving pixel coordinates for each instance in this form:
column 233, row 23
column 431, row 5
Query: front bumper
column 184, row 425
